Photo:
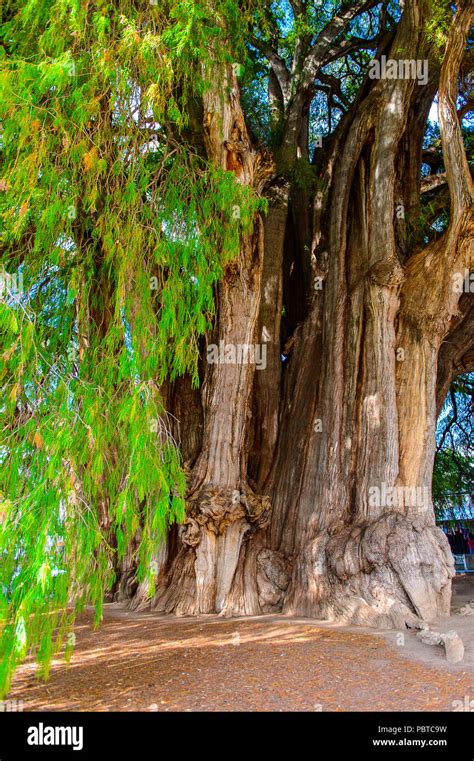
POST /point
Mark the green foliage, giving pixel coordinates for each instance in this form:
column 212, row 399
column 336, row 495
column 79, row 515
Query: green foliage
column 453, row 474
column 453, row 477
column 120, row 231
column 305, row 175
column 437, row 29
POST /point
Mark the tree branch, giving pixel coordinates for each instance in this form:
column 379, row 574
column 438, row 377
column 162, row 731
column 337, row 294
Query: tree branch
column 350, row 44
column 297, row 6
column 317, row 55
column 278, row 65
column 457, row 168
column 433, row 181
column 466, row 108
column 334, row 85
column 432, row 157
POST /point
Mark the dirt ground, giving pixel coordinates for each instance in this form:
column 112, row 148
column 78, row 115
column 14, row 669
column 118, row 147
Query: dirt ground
column 146, row 662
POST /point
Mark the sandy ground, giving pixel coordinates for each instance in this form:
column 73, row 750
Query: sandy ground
column 414, row 649
column 145, row 662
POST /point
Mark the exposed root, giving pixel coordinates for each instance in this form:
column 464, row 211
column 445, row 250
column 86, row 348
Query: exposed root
column 214, row 570
column 393, row 572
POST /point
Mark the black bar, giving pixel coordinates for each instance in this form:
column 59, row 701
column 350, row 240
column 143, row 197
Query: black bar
column 133, row 736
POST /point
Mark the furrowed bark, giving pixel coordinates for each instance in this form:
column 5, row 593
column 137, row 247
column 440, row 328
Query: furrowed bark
column 340, row 440
column 356, row 558
column 223, row 512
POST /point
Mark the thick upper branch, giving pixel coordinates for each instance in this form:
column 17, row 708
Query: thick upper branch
column 457, row 167
column 278, row 66
column 318, row 53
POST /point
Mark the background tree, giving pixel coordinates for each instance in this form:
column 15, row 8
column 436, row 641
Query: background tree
column 453, row 475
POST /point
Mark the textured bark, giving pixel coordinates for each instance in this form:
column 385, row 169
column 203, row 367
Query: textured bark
column 284, row 463
column 354, row 561
column 208, row 570
column 268, row 380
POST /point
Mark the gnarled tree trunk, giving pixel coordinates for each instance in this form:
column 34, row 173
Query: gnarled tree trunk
column 331, row 514
column 360, row 523
column 206, row 572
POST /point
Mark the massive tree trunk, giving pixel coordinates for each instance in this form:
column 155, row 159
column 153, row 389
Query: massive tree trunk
column 206, row 571
column 360, row 522
column 331, row 515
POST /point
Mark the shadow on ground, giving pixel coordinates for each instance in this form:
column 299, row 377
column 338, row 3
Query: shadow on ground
column 144, row 662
